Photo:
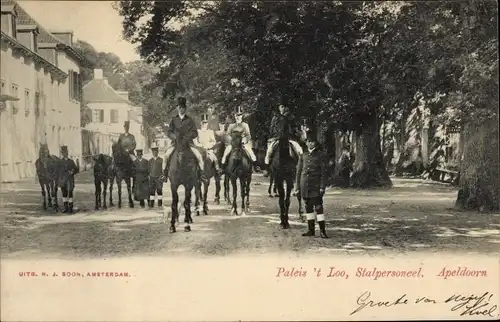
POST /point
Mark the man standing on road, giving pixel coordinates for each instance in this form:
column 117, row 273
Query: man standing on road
column 67, row 179
column 311, row 183
column 141, row 179
column 282, row 127
column 156, row 178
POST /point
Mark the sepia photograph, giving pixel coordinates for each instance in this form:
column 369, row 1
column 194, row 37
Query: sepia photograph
column 249, row 160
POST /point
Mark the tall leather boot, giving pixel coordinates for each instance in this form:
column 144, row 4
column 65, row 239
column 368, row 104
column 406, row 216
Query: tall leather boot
column 322, row 229
column 70, row 207
column 151, row 203
column 160, row 201
column 310, row 231
column 66, row 207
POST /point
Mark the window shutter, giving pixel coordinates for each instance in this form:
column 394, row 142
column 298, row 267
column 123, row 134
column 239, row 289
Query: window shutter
column 70, row 84
column 101, row 116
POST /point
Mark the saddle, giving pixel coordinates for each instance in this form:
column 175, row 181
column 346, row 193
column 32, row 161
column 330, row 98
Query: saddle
column 243, row 151
column 291, row 149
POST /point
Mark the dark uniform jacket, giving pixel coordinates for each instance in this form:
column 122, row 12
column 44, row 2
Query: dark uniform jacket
column 141, row 180
column 67, row 173
column 155, row 168
column 311, row 173
column 128, row 142
column 282, row 127
column 182, row 131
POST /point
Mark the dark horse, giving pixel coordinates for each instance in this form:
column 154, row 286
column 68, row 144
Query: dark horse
column 124, row 170
column 104, row 174
column 209, row 171
column 283, row 168
column 239, row 166
column 183, row 170
column 48, row 168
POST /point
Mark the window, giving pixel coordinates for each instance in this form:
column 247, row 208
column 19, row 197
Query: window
column 27, row 101
column 114, row 116
column 15, row 93
column 98, row 116
column 75, row 85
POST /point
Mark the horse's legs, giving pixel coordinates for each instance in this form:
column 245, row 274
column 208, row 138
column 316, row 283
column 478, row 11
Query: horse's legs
column 48, row 189
column 271, row 181
column 243, row 188
column 187, row 207
column 226, row 189
column 197, row 197
column 119, row 186
column 129, row 190
column 54, row 189
column 301, row 211
column 281, row 191
column 111, row 192
column 235, row 193
column 249, row 181
column 217, row 189
column 175, row 202
column 205, row 196
column 97, row 187
column 289, row 187
column 44, row 199
column 104, row 191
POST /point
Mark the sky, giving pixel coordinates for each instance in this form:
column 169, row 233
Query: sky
column 95, row 22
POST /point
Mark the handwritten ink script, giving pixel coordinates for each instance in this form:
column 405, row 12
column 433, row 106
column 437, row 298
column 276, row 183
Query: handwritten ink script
column 71, row 274
column 464, row 304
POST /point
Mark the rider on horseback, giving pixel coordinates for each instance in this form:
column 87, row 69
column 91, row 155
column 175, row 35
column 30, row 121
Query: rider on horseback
column 182, row 130
column 206, row 140
column 127, row 140
column 281, row 128
column 244, row 129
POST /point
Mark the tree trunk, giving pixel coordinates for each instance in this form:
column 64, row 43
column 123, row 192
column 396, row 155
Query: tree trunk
column 368, row 169
column 479, row 188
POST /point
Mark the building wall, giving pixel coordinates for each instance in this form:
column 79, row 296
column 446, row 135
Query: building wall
column 20, row 128
column 107, row 126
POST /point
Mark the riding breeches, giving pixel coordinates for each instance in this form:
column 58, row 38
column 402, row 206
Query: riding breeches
column 195, row 151
column 155, row 186
column 211, row 156
column 314, row 208
column 271, row 145
column 247, row 149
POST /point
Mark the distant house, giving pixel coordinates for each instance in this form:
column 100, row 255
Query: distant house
column 110, row 109
column 41, row 70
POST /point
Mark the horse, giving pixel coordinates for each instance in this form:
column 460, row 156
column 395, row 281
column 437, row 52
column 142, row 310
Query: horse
column 124, row 170
column 272, row 187
column 209, row 172
column 239, row 166
column 283, row 168
column 183, row 170
column 218, row 151
column 104, row 173
column 48, row 168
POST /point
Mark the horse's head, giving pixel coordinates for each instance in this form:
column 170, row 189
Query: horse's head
column 44, row 151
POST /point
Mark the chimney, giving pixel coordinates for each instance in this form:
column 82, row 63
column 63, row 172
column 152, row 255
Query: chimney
column 65, row 36
column 98, row 74
column 9, row 15
column 123, row 94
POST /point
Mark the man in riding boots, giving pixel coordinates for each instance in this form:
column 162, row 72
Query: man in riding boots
column 141, row 179
column 282, row 127
column 243, row 128
column 206, row 140
column 156, row 178
column 311, row 183
column 182, row 131
column 127, row 140
column 67, row 179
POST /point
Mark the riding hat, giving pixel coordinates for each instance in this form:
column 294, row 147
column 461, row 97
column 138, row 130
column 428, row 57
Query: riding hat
column 64, row 148
column 238, row 111
column 139, row 151
column 126, row 123
column 311, row 135
column 154, row 147
column 181, row 101
column 204, row 118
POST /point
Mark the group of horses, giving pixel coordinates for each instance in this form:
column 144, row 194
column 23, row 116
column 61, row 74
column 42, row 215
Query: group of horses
column 183, row 170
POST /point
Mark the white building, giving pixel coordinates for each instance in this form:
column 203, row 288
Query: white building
column 110, row 109
column 42, row 70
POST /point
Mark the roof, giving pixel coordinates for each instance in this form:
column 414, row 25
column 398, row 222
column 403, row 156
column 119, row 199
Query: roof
column 23, row 18
column 98, row 91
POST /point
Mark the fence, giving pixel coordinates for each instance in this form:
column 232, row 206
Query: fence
column 94, row 143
